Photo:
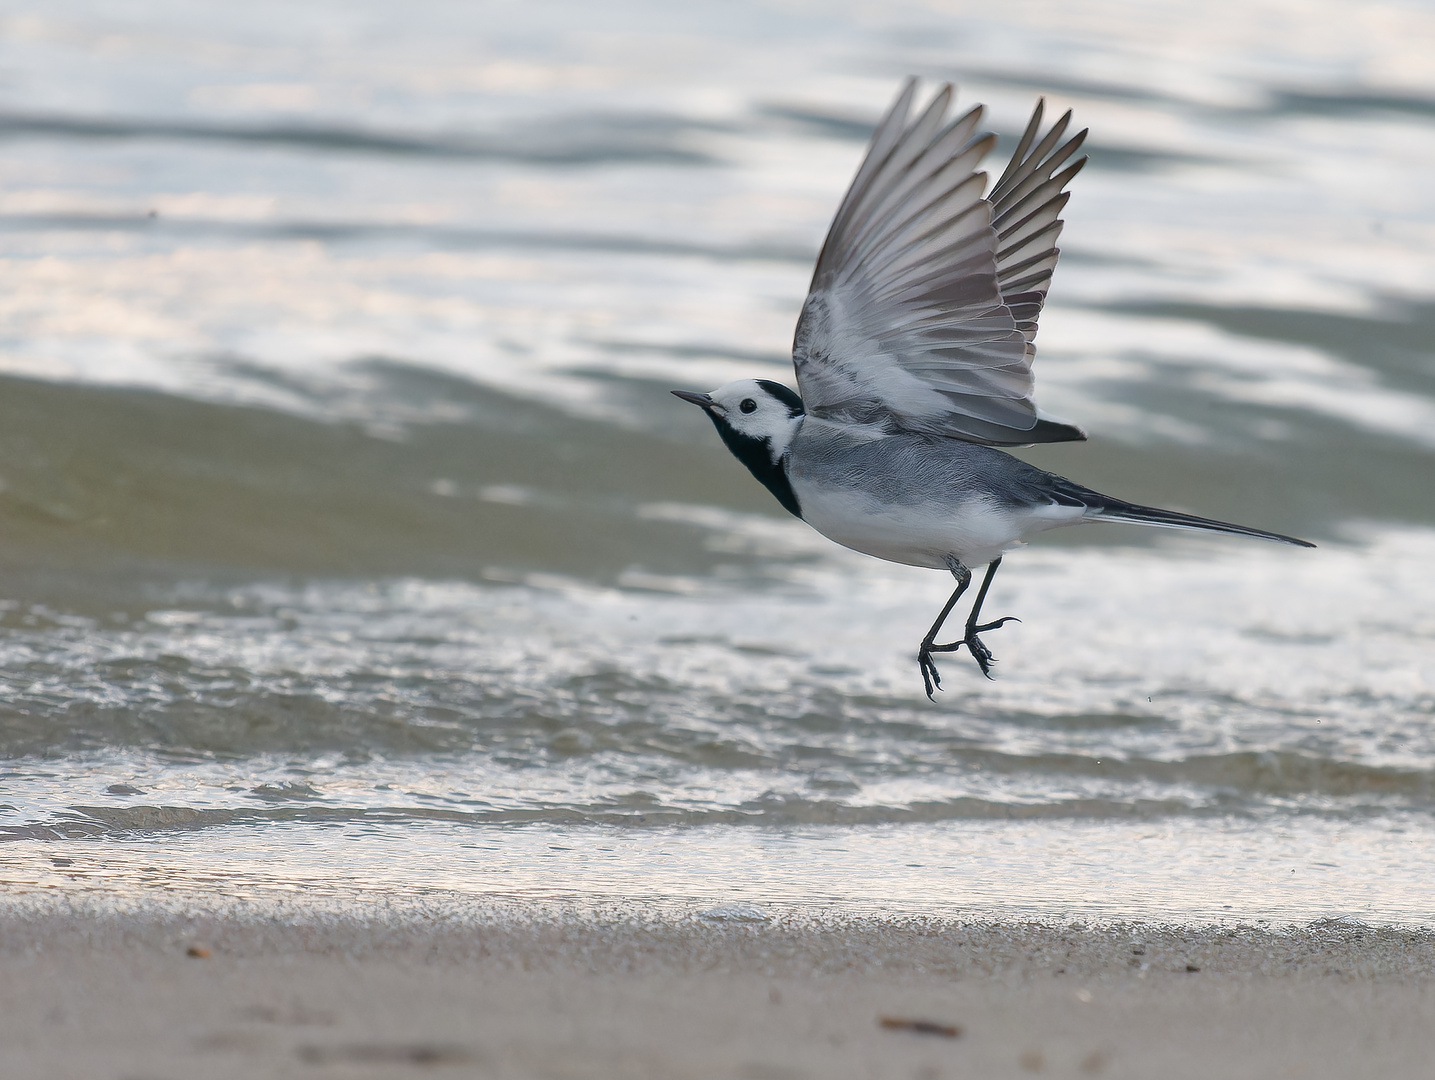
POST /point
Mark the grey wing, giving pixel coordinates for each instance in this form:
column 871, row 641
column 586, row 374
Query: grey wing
column 923, row 306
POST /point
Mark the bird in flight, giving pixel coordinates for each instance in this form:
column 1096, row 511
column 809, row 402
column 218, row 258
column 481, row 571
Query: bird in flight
column 914, row 364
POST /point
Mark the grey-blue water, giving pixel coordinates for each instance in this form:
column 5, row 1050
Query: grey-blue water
column 349, row 539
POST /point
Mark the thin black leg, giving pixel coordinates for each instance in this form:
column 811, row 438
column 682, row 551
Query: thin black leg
column 930, row 679
column 980, row 653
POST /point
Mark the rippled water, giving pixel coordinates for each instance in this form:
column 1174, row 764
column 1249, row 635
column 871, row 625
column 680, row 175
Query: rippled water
column 341, row 497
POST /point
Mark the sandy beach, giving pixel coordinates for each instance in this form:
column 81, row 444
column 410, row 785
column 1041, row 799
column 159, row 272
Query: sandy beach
column 533, row 991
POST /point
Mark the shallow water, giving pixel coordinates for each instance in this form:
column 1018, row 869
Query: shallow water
column 341, row 497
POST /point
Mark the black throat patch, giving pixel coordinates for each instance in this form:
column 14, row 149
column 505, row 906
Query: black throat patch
column 754, row 453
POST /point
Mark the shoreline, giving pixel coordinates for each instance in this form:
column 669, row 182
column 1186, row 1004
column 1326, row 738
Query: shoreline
column 154, row 988
column 1231, row 870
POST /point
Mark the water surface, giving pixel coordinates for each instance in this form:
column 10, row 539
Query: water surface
column 350, row 540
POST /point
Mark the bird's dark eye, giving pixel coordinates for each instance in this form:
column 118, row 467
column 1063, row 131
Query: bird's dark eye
column 747, row 404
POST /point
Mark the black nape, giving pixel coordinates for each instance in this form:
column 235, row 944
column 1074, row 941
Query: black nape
column 784, row 394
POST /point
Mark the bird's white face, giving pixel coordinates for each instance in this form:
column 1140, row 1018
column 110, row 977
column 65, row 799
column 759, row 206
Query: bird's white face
column 758, row 409
column 757, row 419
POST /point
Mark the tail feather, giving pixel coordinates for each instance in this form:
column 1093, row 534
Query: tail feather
column 1115, row 510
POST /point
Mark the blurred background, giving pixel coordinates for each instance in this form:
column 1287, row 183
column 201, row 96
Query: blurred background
column 342, row 498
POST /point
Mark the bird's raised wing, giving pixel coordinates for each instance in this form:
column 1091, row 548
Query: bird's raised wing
column 924, row 303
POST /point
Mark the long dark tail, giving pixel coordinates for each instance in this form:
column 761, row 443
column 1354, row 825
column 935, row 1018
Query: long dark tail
column 1115, row 510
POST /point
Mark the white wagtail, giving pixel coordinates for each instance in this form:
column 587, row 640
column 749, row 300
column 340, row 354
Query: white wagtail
column 913, row 353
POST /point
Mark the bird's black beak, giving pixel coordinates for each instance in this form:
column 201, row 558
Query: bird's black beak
column 697, row 399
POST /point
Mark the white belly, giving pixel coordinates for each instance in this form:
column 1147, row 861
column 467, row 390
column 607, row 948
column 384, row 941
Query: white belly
column 925, row 534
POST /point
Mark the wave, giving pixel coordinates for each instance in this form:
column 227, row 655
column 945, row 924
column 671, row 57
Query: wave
column 96, row 822
column 427, row 237
column 382, row 467
column 1398, row 340
column 773, row 811
column 593, row 139
column 409, row 478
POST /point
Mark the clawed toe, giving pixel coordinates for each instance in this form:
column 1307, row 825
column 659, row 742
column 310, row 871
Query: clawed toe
column 930, row 679
column 993, row 625
column 980, row 653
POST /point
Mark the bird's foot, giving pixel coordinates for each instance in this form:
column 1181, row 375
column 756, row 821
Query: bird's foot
column 932, row 681
column 980, row 653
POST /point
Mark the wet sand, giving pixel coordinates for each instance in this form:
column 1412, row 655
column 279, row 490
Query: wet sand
column 295, row 989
